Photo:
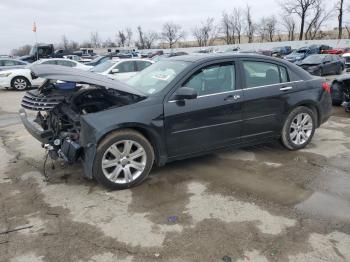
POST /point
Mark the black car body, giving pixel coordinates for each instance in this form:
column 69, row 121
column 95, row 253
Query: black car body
column 177, row 108
column 322, row 64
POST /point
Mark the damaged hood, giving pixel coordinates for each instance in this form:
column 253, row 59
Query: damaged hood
column 68, row 74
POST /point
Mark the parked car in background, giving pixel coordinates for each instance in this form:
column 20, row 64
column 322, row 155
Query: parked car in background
column 21, row 79
column 322, row 64
column 39, row 51
column 121, row 69
column 73, row 57
column 155, row 53
column 98, row 60
column 161, row 57
column 337, row 51
column 346, row 58
column 300, row 54
column 281, row 51
column 9, row 63
column 321, row 48
column 340, row 90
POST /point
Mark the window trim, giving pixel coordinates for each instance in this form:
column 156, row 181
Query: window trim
column 231, row 63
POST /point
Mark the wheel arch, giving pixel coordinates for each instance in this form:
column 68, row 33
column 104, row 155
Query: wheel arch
column 309, row 104
column 151, row 135
column 20, row 76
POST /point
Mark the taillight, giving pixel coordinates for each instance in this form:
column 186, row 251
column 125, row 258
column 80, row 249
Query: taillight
column 326, row 87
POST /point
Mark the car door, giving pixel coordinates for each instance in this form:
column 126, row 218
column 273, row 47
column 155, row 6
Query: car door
column 213, row 119
column 266, row 91
column 126, row 69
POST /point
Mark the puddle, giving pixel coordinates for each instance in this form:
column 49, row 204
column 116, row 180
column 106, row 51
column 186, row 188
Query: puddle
column 325, row 206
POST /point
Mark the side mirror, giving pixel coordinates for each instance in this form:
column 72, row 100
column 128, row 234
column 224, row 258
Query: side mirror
column 185, row 93
column 114, row 71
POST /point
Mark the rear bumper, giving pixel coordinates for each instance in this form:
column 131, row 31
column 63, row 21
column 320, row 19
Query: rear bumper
column 34, row 129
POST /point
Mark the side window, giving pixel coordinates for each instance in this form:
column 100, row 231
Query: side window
column 142, row 65
column 213, row 79
column 9, row 63
column 284, row 74
column 262, row 73
column 66, row 63
column 126, row 67
column 50, row 62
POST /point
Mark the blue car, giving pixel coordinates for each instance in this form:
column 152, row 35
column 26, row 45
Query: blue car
column 300, row 54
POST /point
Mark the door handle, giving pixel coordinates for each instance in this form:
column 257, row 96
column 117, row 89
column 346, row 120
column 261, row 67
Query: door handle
column 232, row 97
column 286, row 88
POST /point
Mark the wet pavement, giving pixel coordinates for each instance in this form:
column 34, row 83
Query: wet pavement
column 261, row 203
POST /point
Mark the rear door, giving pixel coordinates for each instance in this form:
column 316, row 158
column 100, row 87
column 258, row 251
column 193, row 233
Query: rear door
column 213, row 119
column 266, row 93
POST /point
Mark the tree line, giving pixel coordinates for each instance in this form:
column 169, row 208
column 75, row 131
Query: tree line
column 299, row 20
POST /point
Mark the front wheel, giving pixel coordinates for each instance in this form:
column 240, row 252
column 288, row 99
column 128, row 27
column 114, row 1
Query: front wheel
column 298, row 128
column 20, row 83
column 123, row 159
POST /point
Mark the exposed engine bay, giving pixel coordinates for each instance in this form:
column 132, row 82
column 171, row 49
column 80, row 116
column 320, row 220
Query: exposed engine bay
column 59, row 107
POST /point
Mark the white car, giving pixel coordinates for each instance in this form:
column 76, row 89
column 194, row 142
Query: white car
column 122, row 69
column 21, row 79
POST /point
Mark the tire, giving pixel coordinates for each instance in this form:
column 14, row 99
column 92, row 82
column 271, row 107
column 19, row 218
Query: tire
column 20, row 83
column 319, row 72
column 121, row 171
column 295, row 135
column 337, row 94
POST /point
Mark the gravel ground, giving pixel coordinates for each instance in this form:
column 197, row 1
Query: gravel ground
column 261, row 203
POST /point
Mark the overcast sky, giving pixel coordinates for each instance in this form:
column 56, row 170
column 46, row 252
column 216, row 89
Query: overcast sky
column 78, row 18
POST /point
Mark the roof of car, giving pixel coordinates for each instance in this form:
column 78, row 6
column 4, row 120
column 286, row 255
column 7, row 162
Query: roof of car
column 194, row 58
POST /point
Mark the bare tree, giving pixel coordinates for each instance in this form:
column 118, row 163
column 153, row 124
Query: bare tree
column 65, row 43
column 140, row 43
column 238, row 22
column 300, row 8
column 320, row 15
column 228, row 28
column 288, row 23
column 261, row 29
column 121, row 38
column 172, row 33
column 206, row 33
column 271, row 24
column 250, row 27
column 95, row 39
column 340, row 8
column 21, row 51
column 128, row 36
column 150, row 38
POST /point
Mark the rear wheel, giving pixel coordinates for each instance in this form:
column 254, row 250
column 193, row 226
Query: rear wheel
column 298, row 128
column 123, row 160
column 20, row 83
column 339, row 70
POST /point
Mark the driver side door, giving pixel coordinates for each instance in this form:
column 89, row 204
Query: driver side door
column 126, row 70
column 210, row 121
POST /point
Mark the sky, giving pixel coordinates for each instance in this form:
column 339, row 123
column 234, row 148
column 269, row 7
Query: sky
column 78, row 18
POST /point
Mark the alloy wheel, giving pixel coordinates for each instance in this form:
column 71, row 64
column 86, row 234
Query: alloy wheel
column 124, row 161
column 301, row 129
column 20, row 84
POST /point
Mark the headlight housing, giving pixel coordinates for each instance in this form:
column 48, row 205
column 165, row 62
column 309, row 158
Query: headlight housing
column 5, row 74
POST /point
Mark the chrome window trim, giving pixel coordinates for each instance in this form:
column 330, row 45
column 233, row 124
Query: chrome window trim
column 284, row 83
column 240, row 90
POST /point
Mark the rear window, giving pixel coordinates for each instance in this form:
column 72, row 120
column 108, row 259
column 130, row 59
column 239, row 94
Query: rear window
column 263, row 73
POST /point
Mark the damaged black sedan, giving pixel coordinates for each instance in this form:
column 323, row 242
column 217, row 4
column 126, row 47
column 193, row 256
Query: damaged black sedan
column 177, row 108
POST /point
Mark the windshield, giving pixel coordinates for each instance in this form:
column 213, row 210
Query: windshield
column 156, row 77
column 100, row 68
column 313, row 59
